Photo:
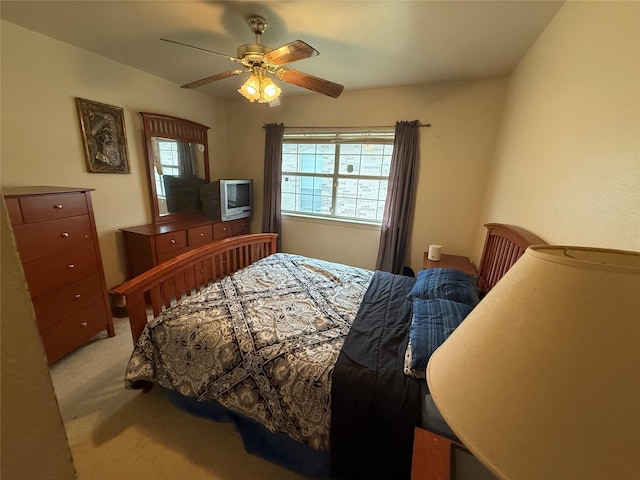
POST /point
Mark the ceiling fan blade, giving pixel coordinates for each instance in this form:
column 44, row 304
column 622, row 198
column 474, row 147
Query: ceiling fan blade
column 310, row 82
column 212, row 78
column 291, row 52
column 233, row 59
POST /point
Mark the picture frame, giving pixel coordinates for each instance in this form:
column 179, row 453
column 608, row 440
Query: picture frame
column 104, row 137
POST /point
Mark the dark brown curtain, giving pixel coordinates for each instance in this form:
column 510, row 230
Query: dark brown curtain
column 271, row 217
column 398, row 210
column 187, row 159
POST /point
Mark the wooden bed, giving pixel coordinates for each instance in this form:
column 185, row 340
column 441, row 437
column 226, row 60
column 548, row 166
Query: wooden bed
column 189, row 272
column 178, row 284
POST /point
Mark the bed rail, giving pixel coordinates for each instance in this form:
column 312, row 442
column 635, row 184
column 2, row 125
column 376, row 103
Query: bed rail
column 188, row 273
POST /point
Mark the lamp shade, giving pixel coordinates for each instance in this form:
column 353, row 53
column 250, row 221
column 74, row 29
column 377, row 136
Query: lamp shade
column 270, row 91
column 542, row 379
column 251, row 88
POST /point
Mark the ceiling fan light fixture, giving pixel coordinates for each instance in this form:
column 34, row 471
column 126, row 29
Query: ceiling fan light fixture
column 259, row 88
column 251, row 88
column 270, row 91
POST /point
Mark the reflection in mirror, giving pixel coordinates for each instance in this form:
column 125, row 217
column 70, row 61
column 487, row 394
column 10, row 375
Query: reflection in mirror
column 178, row 175
column 178, row 162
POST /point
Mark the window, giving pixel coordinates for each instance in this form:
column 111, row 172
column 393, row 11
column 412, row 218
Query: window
column 169, row 164
column 336, row 175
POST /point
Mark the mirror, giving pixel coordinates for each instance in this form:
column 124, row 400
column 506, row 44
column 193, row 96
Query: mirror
column 178, row 165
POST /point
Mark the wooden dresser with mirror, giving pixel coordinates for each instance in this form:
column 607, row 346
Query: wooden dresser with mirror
column 178, row 165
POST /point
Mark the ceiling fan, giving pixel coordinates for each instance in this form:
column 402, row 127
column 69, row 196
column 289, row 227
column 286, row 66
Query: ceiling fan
column 261, row 60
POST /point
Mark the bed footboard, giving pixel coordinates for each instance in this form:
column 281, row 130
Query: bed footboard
column 186, row 274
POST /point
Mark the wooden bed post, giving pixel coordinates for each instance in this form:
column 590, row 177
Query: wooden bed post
column 137, row 308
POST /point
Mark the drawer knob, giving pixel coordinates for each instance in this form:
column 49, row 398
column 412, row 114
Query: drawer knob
column 77, row 296
column 201, row 235
column 224, row 229
column 172, row 241
column 84, row 324
column 64, row 234
column 71, row 265
column 57, row 206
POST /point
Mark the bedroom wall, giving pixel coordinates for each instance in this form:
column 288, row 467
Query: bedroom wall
column 567, row 165
column 41, row 142
column 454, row 155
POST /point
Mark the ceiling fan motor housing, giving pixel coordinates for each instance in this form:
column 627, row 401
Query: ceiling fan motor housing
column 252, row 53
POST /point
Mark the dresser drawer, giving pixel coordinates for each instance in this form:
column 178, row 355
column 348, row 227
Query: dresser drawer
column 39, row 208
column 163, row 257
column 37, row 240
column 48, row 273
column 171, row 241
column 200, row 235
column 52, row 307
column 13, row 208
column 222, row 230
column 73, row 331
column 241, row 226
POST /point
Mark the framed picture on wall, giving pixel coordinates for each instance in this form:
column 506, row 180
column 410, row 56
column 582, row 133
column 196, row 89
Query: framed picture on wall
column 104, row 137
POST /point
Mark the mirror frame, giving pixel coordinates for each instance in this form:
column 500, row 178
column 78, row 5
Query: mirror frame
column 166, row 126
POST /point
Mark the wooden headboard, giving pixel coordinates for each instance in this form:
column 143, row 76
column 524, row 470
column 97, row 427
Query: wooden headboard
column 503, row 245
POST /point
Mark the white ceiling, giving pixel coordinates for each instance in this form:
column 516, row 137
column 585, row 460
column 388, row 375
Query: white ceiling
column 362, row 44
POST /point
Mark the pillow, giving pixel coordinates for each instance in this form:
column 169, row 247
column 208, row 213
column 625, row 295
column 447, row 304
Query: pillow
column 446, row 284
column 432, row 322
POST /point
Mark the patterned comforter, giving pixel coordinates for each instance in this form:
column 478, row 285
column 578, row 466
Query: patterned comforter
column 262, row 342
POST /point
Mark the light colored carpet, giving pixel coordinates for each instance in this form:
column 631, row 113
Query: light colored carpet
column 121, row 434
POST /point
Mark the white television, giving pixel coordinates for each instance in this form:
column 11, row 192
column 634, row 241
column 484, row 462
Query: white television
column 227, row 199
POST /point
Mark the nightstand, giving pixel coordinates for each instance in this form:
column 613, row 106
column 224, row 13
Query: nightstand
column 433, row 456
column 439, row 458
column 455, row 262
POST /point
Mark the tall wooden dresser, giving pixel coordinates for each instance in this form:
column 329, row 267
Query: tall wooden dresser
column 55, row 232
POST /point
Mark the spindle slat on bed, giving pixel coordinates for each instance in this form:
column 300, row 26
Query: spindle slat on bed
column 155, row 300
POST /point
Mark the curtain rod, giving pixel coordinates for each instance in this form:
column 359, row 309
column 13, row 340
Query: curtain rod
column 349, row 126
